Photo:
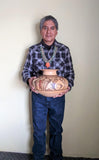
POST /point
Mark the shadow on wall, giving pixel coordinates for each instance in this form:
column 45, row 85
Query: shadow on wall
column 38, row 36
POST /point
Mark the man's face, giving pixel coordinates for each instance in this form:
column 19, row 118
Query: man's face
column 48, row 32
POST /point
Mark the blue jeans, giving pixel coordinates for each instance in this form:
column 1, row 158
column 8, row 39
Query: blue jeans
column 41, row 107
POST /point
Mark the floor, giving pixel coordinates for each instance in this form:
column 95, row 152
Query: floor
column 21, row 156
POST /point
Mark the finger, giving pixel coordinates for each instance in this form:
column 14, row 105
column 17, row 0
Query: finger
column 59, row 95
column 33, row 90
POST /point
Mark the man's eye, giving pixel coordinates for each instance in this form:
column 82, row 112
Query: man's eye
column 44, row 27
column 53, row 28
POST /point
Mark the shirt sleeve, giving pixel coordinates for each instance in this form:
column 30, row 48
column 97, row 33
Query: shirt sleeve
column 69, row 74
column 28, row 67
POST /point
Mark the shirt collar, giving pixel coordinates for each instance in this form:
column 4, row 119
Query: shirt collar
column 46, row 46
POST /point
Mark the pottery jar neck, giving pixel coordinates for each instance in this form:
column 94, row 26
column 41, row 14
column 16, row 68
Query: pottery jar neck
column 50, row 71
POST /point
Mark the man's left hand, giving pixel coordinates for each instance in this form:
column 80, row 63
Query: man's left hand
column 61, row 94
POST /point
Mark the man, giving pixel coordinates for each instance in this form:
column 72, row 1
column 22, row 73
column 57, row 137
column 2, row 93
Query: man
column 41, row 56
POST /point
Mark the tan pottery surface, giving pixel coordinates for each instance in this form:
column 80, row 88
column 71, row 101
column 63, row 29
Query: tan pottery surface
column 50, row 84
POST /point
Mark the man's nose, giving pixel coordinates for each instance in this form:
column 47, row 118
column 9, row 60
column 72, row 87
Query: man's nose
column 48, row 30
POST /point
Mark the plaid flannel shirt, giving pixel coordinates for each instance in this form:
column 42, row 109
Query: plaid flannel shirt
column 61, row 61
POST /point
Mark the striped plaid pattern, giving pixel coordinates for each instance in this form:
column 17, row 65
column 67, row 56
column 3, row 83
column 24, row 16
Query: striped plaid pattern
column 62, row 61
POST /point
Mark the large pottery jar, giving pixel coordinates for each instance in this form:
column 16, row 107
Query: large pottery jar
column 50, row 84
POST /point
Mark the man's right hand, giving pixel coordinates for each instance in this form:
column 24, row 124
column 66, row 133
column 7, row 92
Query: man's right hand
column 31, row 84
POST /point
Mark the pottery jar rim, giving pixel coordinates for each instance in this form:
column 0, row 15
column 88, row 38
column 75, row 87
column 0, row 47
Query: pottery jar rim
column 49, row 71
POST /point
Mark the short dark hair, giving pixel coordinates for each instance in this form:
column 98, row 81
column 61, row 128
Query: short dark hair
column 46, row 18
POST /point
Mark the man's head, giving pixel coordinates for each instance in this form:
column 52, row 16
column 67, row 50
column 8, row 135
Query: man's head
column 48, row 29
column 47, row 18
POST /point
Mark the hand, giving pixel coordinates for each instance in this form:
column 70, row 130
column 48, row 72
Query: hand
column 61, row 94
column 31, row 85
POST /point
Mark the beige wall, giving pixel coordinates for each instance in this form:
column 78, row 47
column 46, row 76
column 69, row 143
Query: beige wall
column 78, row 29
